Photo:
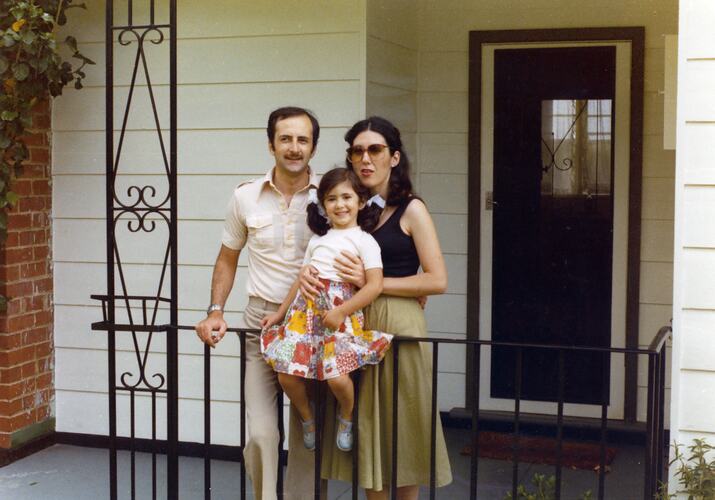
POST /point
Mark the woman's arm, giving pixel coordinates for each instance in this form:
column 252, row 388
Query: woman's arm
column 417, row 222
column 368, row 293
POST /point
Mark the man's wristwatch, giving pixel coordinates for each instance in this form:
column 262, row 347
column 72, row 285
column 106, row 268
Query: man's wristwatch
column 214, row 307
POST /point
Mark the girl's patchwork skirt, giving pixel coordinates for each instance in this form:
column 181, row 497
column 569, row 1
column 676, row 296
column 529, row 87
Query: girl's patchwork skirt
column 302, row 346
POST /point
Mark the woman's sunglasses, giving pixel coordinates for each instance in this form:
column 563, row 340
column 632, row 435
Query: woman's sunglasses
column 355, row 153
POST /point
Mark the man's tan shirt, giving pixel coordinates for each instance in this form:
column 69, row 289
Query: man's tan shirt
column 275, row 233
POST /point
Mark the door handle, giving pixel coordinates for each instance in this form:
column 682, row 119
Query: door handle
column 489, row 203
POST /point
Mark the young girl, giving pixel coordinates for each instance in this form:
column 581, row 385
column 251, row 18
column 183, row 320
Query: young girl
column 324, row 339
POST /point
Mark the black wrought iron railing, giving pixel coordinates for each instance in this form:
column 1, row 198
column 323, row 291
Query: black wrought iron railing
column 654, row 429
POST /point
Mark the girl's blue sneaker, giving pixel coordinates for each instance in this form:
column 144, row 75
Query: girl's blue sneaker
column 309, row 434
column 344, row 438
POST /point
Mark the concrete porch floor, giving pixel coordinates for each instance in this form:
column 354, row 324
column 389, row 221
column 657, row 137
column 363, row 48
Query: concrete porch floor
column 71, row 472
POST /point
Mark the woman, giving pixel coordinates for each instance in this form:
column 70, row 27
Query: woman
column 408, row 241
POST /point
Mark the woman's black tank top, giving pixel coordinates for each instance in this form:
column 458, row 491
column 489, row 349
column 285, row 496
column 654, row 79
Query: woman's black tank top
column 399, row 255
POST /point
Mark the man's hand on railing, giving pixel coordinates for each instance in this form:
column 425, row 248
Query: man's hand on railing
column 211, row 329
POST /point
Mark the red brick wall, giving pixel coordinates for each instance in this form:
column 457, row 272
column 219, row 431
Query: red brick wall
column 26, row 347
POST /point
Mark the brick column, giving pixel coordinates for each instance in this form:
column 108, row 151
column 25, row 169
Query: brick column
column 26, row 344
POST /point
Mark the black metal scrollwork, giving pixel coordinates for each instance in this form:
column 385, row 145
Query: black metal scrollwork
column 140, row 207
column 567, row 163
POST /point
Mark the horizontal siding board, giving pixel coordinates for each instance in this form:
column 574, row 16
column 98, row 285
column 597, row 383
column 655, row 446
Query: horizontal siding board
column 391, row 65
column 697, row 85
column 199, row 241
column 652, row 318
column 443, row 112
column 643, row 368
column 697, row 394
column 326, row 56
column 394, row 21
column 656, row 283
column 241, row 105
column 73, row 365
column 83, row 196
column 73, row 409
column 72, row 287
column 654, row 69
column 698, row 210
column 450, row 391
column 445, row 25
column 658, row 198
column 443, row 153
column 657, row 240
column 697, row 152
column 397, row 105
column 452, row 358
column 73, row 323
column 642, row 405
column 445, row 193
column 657, row 162
column 409, row 147
column 653, row 113
column 698, row 279
column 444, row 71
column 203, row 152
column 237, row 18
column 452, row 232
column 699, row 38
column 698, row 352
column 447, row 313
column 457, row 273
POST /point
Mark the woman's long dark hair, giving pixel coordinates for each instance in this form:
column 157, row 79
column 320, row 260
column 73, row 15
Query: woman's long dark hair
column 400, row 185
column 367, row 217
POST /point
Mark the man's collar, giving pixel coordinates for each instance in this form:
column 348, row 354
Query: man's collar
column 268, row 179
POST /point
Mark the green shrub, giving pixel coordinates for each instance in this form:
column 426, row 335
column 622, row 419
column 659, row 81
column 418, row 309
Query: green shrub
column 695, row 473
column 545, row 489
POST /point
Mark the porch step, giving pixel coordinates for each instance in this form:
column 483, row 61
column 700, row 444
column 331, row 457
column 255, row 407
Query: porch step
column 581, row 428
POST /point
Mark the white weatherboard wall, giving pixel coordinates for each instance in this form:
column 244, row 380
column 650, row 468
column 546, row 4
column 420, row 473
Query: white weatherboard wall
column 391, row 53
column 442, row 111
column 237, row 61
column 694, row 278
column 392, row 82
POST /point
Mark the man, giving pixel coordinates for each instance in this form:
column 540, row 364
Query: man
column 268, row 216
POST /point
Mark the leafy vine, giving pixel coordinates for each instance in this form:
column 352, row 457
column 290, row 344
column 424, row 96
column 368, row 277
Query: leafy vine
column 31, row 70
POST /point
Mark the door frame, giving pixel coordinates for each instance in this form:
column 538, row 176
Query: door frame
column 636, row 37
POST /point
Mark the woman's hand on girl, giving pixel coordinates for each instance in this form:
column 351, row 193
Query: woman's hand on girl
column 350, row 269
column 334, row 318
column 310, row 285
column 271, row 319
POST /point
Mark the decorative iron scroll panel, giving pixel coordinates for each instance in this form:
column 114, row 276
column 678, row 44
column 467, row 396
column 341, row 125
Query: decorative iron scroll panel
column 141, row 218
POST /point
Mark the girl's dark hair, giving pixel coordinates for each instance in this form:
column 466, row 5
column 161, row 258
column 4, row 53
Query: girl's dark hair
column 400, row 185
column 367, row 217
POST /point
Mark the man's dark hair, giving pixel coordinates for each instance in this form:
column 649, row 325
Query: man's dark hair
column 288, row 112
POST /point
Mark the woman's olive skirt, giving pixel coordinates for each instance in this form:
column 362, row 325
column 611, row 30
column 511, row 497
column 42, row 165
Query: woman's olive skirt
column 403, row 317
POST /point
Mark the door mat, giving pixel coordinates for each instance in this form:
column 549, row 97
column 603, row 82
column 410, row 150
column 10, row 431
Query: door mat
column 541, row 450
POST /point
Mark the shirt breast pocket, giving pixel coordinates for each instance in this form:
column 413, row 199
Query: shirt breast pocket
column 261, row 229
